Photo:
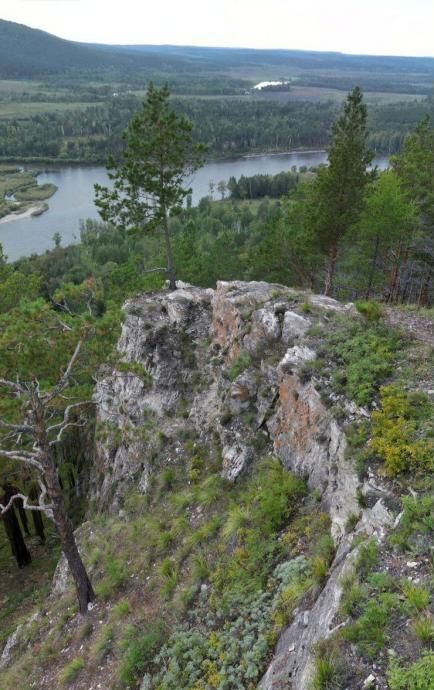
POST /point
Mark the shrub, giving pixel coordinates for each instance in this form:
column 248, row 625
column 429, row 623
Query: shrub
column 242, row 362
column 371, row 310
column 395, row 431
column 85, row 630
column 424, row 629
column 370, row 630
column 418, row 676
column 139, row 649
column 417, row 519
column 364, row 357
column 417, row 598
column 367, row 558
column 71, row 671
column 116, row 575
column 103, row 643
column 122, row 608
column 330, row 668
column 354, row 595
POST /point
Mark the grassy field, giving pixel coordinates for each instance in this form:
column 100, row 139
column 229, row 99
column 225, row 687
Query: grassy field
column 371, row 97
column 24, row 110
column 8, row 86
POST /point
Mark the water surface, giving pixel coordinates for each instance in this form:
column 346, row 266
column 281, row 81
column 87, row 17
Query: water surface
column 74, row 200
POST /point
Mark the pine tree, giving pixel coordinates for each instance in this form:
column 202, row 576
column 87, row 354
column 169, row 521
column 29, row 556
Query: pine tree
column 337, row 193
column 159, row 156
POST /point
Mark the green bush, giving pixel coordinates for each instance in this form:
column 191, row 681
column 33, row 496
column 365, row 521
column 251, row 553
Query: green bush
column 122, row 608
column 418, row 676
column 139, row 648
column 370, row 631
column 367, row 558
column 416, row 597
column 371, row 310
column 396, row 431
column 71, row 671
column 363, row 358
column 242, row 362
column 269, row 500
column 417, row 520
column 330, row 667
column 424, row 629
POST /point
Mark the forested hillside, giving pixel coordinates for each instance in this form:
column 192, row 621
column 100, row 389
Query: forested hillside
column 28, row 53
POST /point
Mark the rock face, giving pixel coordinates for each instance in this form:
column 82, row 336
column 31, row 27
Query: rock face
column 158, row 351
column 228, row 364
column 227, row 357
column 309, row 442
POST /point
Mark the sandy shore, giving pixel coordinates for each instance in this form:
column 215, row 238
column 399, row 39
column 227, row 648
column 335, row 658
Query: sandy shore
column 25, row 214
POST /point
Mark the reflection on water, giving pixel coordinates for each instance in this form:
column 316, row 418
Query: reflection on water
column 74, row 199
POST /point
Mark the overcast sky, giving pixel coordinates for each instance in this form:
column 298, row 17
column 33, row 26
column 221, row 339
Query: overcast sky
column 382, row 27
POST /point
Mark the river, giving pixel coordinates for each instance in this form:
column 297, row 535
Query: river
column 74, row 199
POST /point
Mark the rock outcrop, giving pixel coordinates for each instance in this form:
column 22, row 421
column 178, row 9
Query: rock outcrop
column 228, row 364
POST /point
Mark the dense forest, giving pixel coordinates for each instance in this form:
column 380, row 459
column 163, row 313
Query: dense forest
column 229, row 126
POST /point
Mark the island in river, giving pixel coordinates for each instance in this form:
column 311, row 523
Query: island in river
column 21, row 195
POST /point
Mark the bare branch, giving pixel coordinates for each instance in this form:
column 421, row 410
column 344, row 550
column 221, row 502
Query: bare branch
column 19, row 428
column 63, row 383
column 58, row 438
column 14, row 386
column 64, row 325
column 66, row 415
column 24, row 457
column 156, row 270
column 41, row 506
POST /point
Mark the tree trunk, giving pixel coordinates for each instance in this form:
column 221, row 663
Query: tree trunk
column 394, row 275
column 37, row 517
column 331, row 268
column 373, row 267
column 170, row 261
column 85, row 593
column 424, row 291
column 16, row 540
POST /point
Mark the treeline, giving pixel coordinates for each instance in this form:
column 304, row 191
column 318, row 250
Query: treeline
column 257, row 186
column 229, row 126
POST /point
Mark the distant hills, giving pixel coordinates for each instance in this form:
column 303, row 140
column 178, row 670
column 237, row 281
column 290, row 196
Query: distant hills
column 31, row 53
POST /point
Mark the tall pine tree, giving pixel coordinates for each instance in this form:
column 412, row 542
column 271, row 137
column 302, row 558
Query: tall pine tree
column 338, row 190
column 159, row 156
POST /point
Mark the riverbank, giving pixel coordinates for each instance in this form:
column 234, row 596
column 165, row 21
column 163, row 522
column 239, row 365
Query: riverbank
column 222, row 158
column 30, row 212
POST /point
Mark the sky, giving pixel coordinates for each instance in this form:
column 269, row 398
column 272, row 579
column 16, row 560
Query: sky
column 374, row 27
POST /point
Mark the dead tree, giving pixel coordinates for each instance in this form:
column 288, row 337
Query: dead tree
column 32, row 444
